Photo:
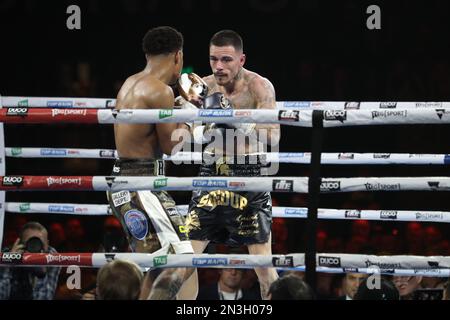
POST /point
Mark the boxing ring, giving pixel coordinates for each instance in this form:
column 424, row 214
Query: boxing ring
column 315, row 115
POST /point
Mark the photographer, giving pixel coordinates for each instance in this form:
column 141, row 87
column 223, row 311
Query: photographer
column 30, row 283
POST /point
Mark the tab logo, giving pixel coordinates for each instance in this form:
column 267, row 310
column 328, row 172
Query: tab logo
column 165, row 113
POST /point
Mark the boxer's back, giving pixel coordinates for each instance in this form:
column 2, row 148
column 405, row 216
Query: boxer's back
column 138, row 140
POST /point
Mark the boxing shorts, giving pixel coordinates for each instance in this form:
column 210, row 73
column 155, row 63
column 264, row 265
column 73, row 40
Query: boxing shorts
column 150, row 219
column 230, row 217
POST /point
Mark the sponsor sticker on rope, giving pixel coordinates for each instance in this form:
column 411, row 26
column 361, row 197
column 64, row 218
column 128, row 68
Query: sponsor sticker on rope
column 12, row 181
column 11, row 257
column 136, row 223
column 215, row 113
column 106, row 154
column 283, row 262
column 16, row 152
column 160, row 183
column 210, row 183
column 209, row 261
column 289, row 115
column 391, row 215
column 296, row 104
column 17, row 112
column 53, row 152
column 59, row 104
column 160, row 261
column 282, row 185
column 24, row 207
column 165, row 113
column 353, row 214
column 335, row 115
column 330, row 186
column 330, row 262
column 56, row 208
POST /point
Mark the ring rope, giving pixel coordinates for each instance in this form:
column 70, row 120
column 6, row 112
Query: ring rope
column 325, row 260
column 301, row 118
column 277, row 212
column 257, row 184
column 281, row 157
column 53, row 102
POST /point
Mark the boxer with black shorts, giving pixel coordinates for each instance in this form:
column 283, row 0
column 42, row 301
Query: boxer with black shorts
column 232, row 217
column 150, row 219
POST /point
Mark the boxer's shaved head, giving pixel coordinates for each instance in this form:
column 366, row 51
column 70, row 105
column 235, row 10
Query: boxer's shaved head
column 162, row 40
column 227, row 38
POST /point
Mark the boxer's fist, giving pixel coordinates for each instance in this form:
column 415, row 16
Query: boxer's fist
column 192, row 88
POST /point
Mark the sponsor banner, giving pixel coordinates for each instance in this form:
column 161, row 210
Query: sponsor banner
column 106, row 154
column 11, row 257
column 159, row 261
column 17, row 112
column 390, row 215
column 289, row 115
column 209, row 261
column 389, row 114
column 120, row 198
column 335, row 115
column 60, row 259
column 73, row 181
column 58, row 208
column 211, row 183
column 215, row 113
column 429, row 216
column 165, row 113
column 12, row 181
column 296, row 104
column 283, row 262
column 353, row 214
column 53, row 152
column 382, row 186
column 330, row 262
column 68, row 112
column 282, row 185
column 330, row 186
column 59, row 104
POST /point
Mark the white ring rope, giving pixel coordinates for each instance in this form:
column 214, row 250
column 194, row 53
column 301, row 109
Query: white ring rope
column 277, row 212
column 257, row 184
column 53, row 102
column 281, row 157
column 385, row 264
column 302, row 118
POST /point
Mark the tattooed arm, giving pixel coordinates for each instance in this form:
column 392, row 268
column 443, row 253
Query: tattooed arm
column 167, row 284
column 264, row 95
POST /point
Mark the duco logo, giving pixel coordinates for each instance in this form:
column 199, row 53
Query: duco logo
column 388, row 215
column 11, row 257
column 165, row 113
column 330, row 186
column 388, row 105
column 17, row 111
column 335, row 115
column 331, row 262
column 12, row 181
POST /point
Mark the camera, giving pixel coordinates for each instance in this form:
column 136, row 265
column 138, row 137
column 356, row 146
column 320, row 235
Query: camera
column 34, row 245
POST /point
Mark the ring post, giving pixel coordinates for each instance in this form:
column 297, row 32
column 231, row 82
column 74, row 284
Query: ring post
column 313, row 201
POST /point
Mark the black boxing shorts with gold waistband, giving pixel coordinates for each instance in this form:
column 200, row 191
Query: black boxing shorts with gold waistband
column 230, row 217
column 150, row 219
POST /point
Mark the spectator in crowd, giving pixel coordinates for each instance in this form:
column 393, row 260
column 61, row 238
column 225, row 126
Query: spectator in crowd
column 350, row 284
column 31, row 283
column 119, row 280
column 290, row 287
column 229, row 287
column 406, row 285
column 385, row 291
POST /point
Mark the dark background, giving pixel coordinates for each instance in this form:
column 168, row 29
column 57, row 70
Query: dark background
column 310, row 50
